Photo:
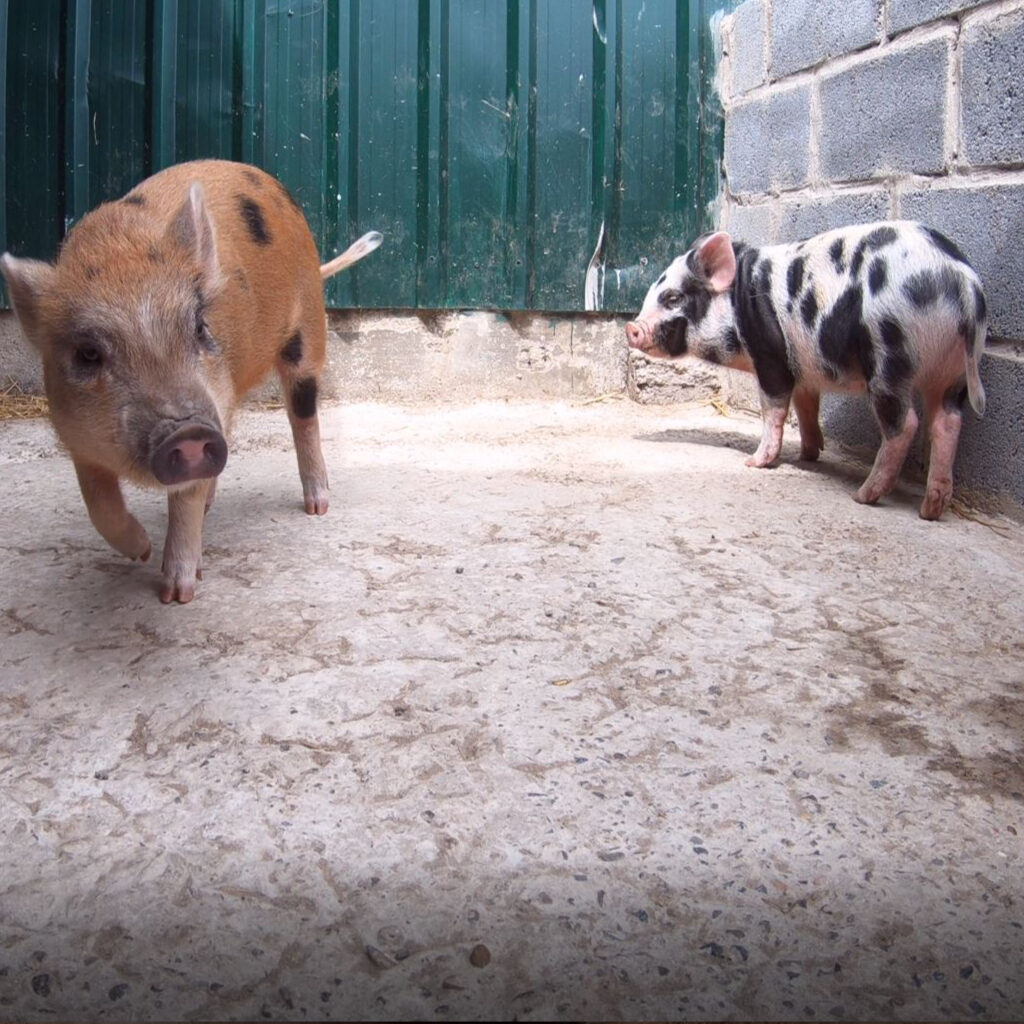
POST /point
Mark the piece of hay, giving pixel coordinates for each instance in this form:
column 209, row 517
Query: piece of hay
column 18, row 404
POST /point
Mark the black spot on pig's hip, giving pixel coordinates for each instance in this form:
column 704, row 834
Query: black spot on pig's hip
column 292, row 352
column 252, row 214
column 304, row 398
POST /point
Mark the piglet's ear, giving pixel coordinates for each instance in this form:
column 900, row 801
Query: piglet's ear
column 718, row 261
column 192, row 229
column 27, row 283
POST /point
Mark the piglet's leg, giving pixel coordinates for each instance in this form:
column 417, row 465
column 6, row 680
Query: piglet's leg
column 312, row 471
column 773, row 420
column 806, row 404
column 298, row 367
column 183, row 549
column 115, row 524
column 898, row 421
column 943, row 422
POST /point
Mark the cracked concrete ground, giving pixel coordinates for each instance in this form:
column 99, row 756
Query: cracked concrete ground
column 561, row 713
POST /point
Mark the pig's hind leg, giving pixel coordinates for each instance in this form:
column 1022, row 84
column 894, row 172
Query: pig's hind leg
column 298, row 366
column 101, row 492
column 807, row 404
column 943, row 418
column 898, row 422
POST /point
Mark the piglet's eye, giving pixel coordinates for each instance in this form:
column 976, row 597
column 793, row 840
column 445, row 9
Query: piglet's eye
column 88, row 355
column 670, row 298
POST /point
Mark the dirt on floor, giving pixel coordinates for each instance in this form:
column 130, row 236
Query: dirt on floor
column 561, row 712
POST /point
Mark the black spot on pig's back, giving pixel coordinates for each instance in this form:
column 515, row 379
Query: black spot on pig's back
column 945, row 245
column 255, row 223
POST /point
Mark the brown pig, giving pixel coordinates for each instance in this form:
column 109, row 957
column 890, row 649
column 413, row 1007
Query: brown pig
column 164, row 308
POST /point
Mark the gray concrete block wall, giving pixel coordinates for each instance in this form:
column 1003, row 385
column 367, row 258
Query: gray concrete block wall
column 907, row 109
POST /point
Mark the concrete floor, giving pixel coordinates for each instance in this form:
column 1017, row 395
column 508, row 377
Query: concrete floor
column 667, row 737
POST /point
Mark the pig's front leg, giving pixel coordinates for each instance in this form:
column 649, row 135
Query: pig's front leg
column 115, row 524
column 183, row 549
column 773, row 419
column 812, row 441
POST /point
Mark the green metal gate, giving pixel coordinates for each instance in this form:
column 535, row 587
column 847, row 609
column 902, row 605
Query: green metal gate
column 503, row 147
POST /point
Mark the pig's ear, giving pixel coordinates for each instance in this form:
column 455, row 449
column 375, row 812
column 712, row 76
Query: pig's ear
column 718, row 260
column 27, row 283
column 192, row 229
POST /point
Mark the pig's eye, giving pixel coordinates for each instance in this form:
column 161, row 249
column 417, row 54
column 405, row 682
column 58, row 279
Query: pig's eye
column 670, row 298
column 88, row 355
column 203, row 335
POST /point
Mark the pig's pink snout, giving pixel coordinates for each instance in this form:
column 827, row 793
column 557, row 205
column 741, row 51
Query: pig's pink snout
column 634, row 334
column 192, row 453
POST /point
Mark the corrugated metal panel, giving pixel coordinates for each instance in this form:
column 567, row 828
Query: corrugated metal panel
column 501, row 147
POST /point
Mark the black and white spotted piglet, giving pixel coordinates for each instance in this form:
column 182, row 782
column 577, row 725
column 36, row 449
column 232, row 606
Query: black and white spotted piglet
column 890, row 309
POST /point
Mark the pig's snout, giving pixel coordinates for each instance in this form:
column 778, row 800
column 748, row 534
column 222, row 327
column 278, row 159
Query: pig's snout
column 191, row 453
column 636, row 335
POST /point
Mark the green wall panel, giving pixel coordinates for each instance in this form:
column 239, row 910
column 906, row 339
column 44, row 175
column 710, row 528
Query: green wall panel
column 502, row 147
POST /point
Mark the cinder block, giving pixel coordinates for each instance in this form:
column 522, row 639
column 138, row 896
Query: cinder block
column 887, row 115
column 904, row 14
column 801, row 218
column 992, row 90
column 750, row 224
column 987, row 222
column 806, row 32
column 748, row 47
column 767, row 142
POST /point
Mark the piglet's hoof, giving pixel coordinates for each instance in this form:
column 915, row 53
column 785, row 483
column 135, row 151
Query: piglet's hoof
column 179, row 584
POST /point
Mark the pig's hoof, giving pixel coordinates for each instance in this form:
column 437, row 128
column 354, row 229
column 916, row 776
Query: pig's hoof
column 758, row 461
column 316, row 504
column 179, row 591
column 179, row 584
column 865, row 497
column 933, row 506
column 809, row 454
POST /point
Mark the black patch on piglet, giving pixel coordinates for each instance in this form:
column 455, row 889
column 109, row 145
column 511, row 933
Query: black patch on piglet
column 696, row 299
column 292, row 351
column 134, row 199
column 878, row 274
column 843, row 338
column 943, row 244
column 758, row 326
column 304, row 398
column 670, row 336
column 795, row 276
column 925, row 287
column 836, row 252
column 891, row 411
column 872, row 242
column 809, row 308
column 252, row 214
column 897, row 367
column 980, row 307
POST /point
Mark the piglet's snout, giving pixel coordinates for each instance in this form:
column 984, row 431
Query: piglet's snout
column 194, row 452
column 636, row 335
